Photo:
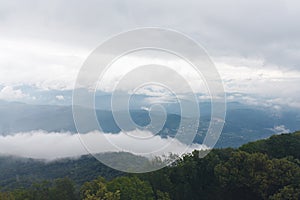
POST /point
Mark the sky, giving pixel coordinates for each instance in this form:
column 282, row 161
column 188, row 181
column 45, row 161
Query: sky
column 255, row 45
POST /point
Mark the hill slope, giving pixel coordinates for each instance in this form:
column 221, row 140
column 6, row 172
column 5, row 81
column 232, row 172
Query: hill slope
column 265, row 169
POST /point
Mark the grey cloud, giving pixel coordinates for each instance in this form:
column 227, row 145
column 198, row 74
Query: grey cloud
column 266, row 29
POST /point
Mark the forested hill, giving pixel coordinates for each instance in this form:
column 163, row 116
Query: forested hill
column 22, row 172
column 265, row 169
column 277, row 146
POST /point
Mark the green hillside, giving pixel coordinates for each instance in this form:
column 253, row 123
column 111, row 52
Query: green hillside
column 21, row 172
column 265, row 169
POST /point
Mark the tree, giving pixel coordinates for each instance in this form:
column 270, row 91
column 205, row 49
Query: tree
column 287, row 193
column 131, row 188
column 6, row 196
column 255, row 175
column 97, row 190
column 63, row 189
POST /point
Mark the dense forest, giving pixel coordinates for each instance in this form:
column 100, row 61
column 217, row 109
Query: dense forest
column 265, row 169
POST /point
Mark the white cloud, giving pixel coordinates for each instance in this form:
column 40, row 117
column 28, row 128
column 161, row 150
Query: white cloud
column 60, row 97
column 9, row 93
column 44, row 64
column 259, row 84
column 41, row 144
column 280, row 129
column 43, row 45
column 159, row 72
column 145, row 108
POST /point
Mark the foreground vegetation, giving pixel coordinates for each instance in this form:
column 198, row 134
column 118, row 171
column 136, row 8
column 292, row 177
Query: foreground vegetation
column 266, row 169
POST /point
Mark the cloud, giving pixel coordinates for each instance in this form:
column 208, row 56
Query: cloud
column 60, row 97
column 9, row 93
column 43, row 45
column 145, row 108
column 225, row 28
column 42, row 64
column 52, row 145
column 280, row 129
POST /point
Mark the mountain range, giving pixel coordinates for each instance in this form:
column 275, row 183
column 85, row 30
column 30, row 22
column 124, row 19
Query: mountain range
column 243, row 122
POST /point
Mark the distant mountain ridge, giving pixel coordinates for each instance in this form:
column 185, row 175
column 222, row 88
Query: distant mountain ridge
column 243, row 123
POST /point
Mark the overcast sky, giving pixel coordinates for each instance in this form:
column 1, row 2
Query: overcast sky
column 255, row 44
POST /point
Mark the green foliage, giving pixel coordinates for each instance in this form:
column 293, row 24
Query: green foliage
column 97, row 190
column 7, row 196
column 277, row 146
column 63, row 189
column 46, row 190
column 287, row 193
column 22, row 173
column 266, row 169
column 255, row 175
column 162, row 195
column 131, row 188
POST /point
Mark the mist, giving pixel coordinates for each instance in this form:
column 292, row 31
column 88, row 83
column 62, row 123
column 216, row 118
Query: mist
column 54, row 145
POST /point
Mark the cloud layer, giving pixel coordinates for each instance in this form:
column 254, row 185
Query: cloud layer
column 9, row 93
column 44, row 145
column 255, row 44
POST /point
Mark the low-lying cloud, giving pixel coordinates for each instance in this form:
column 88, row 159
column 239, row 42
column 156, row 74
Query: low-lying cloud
column 52, row 145
column 9, row 93
column 280, row 129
